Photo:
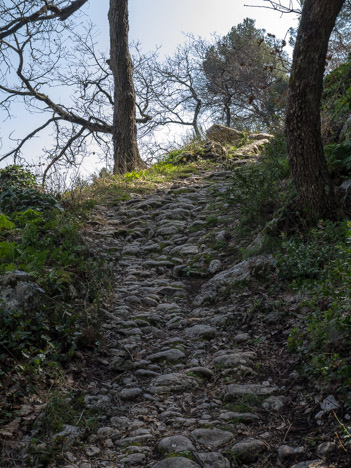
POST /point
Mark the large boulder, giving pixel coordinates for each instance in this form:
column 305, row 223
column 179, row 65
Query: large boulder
column 223, row 134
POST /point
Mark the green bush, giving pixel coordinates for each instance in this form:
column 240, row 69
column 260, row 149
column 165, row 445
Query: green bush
column 321, row 266
column 19, row 191
column 46, row 243
column 338, row 156
column 260, row 189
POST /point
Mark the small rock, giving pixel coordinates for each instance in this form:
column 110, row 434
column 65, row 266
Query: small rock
column 213, row 460
column 134, row 458
column 174, row 382
column 234, row 390
column 274, row 403
column 248, row 450
column 285, row 451
column 212, row 438
column 128, row 394
column 92, row 451
column 241, row 337
column 325, row 448
column 175, row 444
column 176, row 462
column 240, row 417
column 171, row 355
column 201, row 332
column 202, row 372
column 214, row 266
column 311, row 464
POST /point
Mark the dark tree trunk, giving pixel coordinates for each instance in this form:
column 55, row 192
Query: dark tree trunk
column 126, row 154
column 303, row 132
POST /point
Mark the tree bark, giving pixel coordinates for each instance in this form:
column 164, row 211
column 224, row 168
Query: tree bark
column 303, row 127
column 126, row 153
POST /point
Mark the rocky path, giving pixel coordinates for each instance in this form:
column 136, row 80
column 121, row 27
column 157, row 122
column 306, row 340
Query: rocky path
column 186, row 377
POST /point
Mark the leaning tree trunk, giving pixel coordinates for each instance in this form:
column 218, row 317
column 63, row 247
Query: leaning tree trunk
column 303, row 126
column 125, row 147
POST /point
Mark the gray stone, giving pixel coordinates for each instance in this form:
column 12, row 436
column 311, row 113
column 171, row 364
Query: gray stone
column 174, row 382
column 189, row 250
column 285, row 451
column 176, row 462
column 201, row 371
column 223, row 134
column 133, row 459
column 325, row 448
column 248, row 450
column 235, row 390
column 274, row 403
column 168, row 307
column 248, row 269
column 240, row 417
column 213, row 460
column 69, row 433
column 172, row 355
column 214, row 266
column 241, row 337
column 175, row 444
column 212, row 438
column 311, row 464
column 201, row 332
column 234, row 359
column 92, row 451
column 129, row 394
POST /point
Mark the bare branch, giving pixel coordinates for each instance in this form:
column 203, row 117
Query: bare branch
column 41, row 15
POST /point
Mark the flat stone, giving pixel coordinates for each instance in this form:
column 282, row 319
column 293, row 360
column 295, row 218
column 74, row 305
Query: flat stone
column 176, row 462
column 201, row 332
column 234, row 390
column 189, row 250
column 167, row 230
column 213, row 460
column 234, row 359
column 248, row 450
column 168, row 307
column 175, row 382
column 129, row 394
column 92, row 451
column 175, row 444
column 241, row 337
column 202, row 372
column 212, row 438
column 172, row 355
column 240, row 417
column 285, row 452
column 311, row 464
column 133, row 459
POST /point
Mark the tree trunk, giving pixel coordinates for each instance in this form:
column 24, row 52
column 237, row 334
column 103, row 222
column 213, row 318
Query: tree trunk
column 303, row 127
column 125, row 147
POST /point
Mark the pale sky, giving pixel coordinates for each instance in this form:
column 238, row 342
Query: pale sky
column 163, row 22
column 158, row 23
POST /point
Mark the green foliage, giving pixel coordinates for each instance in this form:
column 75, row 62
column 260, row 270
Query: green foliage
column 65, row 279
column 5, row 223
column 304, row 256
column 320, row 264
column 338, row 156
column 260, row 189
column 19, row 191
column 336, row 103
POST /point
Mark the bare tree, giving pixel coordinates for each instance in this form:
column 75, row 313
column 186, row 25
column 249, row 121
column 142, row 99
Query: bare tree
column 126, row 153
column 35, row 62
